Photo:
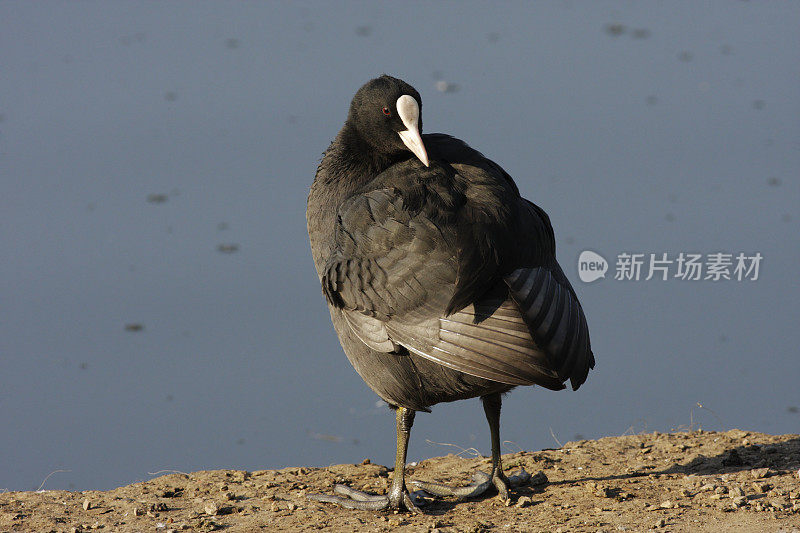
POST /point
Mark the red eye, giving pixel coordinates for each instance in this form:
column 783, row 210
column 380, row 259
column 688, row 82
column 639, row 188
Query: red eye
column 387, row 112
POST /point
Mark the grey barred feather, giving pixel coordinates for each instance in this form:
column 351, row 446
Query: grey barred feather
column 555, row 318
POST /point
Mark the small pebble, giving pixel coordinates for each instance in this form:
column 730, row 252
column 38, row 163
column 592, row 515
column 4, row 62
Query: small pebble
column 87, row 504
column 599, row 490
column 524, row 501
column 211, row 508
column 777, row 504
column 539, row 478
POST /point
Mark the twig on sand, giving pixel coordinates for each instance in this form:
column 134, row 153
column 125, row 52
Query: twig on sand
column 507, row 442
column 470, row 451
column 555, row 439
column 701, row 406
column 48, row 477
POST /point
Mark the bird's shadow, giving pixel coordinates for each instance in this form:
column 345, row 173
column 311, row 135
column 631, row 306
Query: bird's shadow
column 777, row 457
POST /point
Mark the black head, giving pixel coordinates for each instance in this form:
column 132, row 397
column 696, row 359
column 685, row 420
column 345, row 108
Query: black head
column 386, row 114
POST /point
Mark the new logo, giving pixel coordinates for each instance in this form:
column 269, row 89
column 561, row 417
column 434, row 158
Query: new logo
column 591, row 266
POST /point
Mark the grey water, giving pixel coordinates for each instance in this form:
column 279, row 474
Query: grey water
column 158, row 305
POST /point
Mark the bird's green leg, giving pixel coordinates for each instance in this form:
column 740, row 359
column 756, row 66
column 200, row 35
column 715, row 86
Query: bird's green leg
column 491, row 406
column 481, row 481
column 398, row 497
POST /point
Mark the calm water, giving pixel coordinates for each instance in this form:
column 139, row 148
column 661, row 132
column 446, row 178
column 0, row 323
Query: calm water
column 154, row 166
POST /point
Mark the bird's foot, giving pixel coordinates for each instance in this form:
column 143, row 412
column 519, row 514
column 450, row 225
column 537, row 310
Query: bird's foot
column 481, row 482
column 355, row 499
column 503, row 483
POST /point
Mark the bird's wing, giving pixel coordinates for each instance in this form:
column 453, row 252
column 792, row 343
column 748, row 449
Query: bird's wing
column 394, row 272
column 488, row 339
column 555, row 319
column 526, row 249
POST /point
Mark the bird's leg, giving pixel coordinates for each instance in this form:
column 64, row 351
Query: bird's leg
column 398, row 497
column 481, row 481
column 491, row 406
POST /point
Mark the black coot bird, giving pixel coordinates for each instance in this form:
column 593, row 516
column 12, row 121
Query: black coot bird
column 441, row 280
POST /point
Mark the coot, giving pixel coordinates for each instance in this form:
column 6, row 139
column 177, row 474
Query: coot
column 441, row 280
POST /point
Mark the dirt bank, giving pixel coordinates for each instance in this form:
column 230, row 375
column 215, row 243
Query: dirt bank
column 699, row 481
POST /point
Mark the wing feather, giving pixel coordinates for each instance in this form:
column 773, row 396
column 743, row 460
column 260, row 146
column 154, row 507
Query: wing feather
column 555, row 318
column 496, row 346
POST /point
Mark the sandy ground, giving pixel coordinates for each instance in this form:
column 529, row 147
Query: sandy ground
column 697, row 481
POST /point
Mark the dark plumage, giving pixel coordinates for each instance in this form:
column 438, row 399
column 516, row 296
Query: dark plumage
column 441, row 279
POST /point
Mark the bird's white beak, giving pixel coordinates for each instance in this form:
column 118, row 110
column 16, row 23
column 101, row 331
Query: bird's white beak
column 408, row 111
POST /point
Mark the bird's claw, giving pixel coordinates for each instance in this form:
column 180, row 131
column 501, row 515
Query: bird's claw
column 519, row 478
column 481, row 482
column 351, row 498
